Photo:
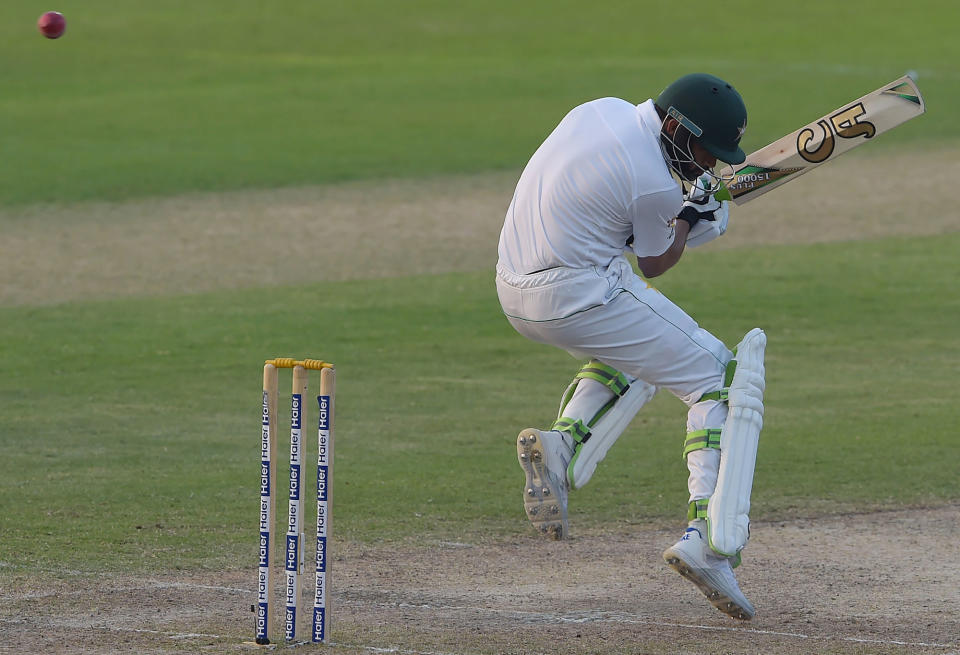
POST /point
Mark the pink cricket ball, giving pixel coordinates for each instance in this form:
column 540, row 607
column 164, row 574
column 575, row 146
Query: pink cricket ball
column 52, row 24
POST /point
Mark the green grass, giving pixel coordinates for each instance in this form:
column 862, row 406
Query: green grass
column 170, row 96
column 130, row 428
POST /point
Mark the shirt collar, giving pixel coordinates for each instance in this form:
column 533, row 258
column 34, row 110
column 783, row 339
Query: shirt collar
column 650, row 121
column 649, row 118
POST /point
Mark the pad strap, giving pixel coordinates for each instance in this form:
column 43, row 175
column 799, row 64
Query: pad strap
column 697, row 509
column 699, row 439
column 721, row 395
column 574, row 427
column 605, row 375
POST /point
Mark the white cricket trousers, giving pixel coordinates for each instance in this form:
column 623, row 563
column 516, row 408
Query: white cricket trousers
column 613, row 315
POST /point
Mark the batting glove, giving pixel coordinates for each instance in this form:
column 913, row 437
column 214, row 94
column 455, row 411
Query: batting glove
column 707, row 216
column 700, row 189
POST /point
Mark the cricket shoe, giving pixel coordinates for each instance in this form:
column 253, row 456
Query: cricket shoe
column 692, row 558
column 544, row 457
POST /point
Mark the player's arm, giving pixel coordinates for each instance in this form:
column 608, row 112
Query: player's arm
column 660, row 264
column 701, row 219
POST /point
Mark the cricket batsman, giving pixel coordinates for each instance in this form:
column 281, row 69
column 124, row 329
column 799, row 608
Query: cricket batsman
column 613, row 179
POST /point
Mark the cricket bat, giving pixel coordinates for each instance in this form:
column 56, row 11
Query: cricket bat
column 846, row 128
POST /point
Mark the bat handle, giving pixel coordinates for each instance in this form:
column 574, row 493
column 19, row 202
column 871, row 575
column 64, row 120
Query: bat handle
column 723, row 193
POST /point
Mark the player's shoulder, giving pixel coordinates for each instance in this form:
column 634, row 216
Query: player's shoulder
column 608, row 105
column 635, row 132
column 606, row 116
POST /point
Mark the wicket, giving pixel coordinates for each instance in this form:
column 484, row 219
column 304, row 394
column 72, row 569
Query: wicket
column 293, row 549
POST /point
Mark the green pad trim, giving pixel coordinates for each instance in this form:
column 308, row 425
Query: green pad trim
column 579, row 432
column 735, row 560
column 605, row 375
column 603, row 410
column 700, row 439
column 728, row 374
column 721, row 395
column 697, row 509
column 567, row 395
column 574, row 427
column 573, row 461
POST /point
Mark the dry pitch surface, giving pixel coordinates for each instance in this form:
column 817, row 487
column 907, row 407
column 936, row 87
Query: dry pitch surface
column 877, row 583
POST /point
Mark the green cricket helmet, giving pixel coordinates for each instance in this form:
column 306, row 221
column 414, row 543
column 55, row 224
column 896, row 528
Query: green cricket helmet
column 711, row 110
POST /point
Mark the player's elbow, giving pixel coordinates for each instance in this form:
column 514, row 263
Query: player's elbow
column 657, row 266
column 660, row 264
column 650, row 270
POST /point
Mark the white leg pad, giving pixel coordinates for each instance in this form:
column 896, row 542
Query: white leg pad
column 728, row 523
column 606, row 431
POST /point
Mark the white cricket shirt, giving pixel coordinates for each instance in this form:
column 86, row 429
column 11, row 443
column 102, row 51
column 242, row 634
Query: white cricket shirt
column 598, row 179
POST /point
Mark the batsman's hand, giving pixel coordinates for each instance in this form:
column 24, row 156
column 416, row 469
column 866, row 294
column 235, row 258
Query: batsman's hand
column 701, row 189
column 708, row 217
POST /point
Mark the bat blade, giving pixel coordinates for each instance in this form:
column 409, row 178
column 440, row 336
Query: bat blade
column 825, row 139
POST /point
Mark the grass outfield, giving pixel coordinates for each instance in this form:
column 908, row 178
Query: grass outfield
column 159, row 98
column 130, row 426
column 154, row 250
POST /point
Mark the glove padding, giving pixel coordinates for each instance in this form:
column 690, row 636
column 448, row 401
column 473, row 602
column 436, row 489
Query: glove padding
column 706, row 215
column 708, row 229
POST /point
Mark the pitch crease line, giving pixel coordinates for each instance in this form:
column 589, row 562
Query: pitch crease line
column 611, row 618
column 107, row 628
column 146, row 586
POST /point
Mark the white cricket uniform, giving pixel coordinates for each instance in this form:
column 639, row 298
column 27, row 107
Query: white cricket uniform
column 599, row 179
